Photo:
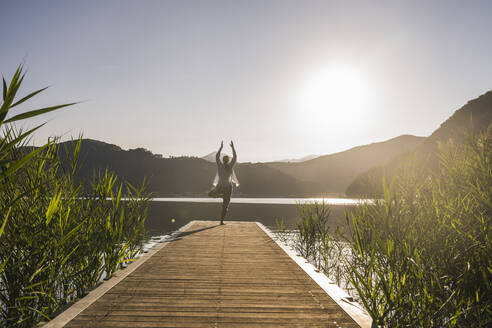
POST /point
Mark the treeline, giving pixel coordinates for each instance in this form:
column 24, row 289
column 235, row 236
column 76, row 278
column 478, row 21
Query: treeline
column 191, row 176
column 182, row 176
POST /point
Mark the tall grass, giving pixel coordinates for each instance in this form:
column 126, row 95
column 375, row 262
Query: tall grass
column 316, row 241
column 59, row 237
column 422, row 255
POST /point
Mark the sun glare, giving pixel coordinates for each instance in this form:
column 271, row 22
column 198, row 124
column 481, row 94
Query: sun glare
column 338, row 95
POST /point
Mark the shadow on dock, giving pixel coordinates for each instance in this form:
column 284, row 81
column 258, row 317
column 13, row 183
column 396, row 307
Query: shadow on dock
column 187, row 233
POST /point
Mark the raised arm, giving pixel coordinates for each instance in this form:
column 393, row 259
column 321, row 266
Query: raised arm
column 217, row 156
column 234, row 155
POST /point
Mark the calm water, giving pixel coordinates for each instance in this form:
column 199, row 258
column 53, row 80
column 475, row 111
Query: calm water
column 265, row 210
column 276, row 201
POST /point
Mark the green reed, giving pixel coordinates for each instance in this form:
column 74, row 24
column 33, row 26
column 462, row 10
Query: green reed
column 59, row 237
column 422, row 255
column 315, row 240
column 8, row 164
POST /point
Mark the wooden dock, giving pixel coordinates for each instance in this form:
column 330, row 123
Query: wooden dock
column 210, row 275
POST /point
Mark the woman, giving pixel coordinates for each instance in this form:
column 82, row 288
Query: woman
column 224, row 179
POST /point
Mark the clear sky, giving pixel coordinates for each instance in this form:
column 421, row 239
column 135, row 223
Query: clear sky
column 283, row 79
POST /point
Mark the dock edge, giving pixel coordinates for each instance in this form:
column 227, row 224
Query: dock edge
column 353, row 309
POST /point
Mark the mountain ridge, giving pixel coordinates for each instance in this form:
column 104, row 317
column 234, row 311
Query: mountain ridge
column 334, row 172
column 210, row 157
column 475, row 116
column 192, row 176
column 184, row 176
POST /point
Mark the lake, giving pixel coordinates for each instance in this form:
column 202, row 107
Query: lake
column 162, row 211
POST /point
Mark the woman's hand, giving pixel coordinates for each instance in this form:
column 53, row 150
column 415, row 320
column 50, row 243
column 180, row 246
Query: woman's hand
column 217, row 156
column 234, row 155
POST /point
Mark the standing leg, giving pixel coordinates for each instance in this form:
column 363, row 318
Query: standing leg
column 226, row 199
column 225, row 205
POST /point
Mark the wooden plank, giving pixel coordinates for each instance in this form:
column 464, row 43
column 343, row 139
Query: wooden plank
column 232, row 275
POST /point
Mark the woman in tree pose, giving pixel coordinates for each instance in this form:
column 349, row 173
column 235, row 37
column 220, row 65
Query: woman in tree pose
column 224, row 179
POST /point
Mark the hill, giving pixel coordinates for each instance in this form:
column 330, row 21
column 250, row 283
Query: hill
column 210, row 157
column 474, row 116
column 334, row 172
column 298, row 160
column 192, row 176
column 182, row 176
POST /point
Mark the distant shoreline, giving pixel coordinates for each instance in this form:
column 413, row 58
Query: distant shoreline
column 267, row 200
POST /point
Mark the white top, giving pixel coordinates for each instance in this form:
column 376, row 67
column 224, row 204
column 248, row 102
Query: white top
column 225, row 175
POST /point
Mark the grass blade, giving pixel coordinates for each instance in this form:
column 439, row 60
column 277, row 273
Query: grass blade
column 36, row 112
column 28, row 97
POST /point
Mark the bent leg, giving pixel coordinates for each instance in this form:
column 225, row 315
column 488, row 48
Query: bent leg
column 214, row 193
